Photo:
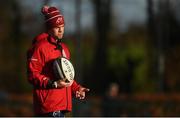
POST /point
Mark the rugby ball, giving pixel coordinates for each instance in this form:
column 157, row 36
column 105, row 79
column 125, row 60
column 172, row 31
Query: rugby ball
column 63, row 69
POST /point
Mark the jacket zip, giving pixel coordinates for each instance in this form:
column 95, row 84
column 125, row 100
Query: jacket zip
column 60, row 48
column 67, row 98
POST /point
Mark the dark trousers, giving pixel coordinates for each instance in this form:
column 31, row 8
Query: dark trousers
column 53, row 114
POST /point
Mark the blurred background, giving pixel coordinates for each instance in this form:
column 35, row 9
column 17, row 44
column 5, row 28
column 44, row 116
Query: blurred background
column 125, row 51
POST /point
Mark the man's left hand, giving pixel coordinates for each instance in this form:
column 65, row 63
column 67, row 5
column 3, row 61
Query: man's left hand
column 81, row 93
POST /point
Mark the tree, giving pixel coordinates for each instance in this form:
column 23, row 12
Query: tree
column 163, row 32
column 103, row 20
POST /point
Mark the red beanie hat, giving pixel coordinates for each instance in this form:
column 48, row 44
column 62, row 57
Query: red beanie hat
column 53, row 16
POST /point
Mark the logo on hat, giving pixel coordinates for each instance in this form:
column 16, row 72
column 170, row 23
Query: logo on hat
column 59, row 19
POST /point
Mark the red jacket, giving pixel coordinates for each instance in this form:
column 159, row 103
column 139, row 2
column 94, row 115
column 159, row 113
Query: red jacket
column 40, row 58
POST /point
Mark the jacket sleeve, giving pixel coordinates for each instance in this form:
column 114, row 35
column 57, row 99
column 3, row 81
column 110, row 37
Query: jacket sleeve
column 35, row 63
column 75, row 87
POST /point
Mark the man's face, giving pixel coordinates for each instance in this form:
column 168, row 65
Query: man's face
column 58, row 31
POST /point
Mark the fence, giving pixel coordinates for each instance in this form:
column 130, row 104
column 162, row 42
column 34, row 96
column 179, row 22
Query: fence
column 124, row 105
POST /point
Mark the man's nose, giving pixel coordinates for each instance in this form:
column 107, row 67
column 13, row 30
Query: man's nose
column 60, row 30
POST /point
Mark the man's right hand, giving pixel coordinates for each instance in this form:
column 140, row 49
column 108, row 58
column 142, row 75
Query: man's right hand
column 62, row 83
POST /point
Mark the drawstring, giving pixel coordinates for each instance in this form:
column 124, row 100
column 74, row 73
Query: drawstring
column 58, row 46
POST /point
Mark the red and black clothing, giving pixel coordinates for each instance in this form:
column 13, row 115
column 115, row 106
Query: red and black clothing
column 40, row 72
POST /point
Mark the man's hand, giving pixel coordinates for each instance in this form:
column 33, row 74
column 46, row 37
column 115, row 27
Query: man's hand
column 63, row 83
column 81, row 93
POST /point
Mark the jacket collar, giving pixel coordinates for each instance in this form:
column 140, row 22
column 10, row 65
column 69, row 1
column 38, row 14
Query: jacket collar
column 55, row 42
column 51, row 39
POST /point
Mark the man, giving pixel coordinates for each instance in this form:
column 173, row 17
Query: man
column 51, row 97
column 110, row 104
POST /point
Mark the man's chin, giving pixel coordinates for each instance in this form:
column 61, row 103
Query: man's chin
column 59, row 37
